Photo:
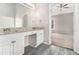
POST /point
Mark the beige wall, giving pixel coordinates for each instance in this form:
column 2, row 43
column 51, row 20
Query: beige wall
column 64, row 23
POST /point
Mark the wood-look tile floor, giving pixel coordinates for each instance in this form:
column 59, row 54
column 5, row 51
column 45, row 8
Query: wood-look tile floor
column 48, row 50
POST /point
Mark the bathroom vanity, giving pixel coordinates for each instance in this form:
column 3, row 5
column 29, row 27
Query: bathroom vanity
column 13, row 43
column 15, row 33
column 15, row 27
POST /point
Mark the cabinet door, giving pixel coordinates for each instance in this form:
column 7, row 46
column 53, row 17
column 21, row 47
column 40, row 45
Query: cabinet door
column 5, row 44
column 40, row 36
column 26, row 41
column 32, row 40
column 18, row 48
column 19, row 43
column 6, row 49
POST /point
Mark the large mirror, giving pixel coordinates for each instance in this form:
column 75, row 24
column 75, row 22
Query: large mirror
column 14, row 15
column 7, row 13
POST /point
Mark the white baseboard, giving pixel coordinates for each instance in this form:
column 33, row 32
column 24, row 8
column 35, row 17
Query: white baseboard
column 76, row 51
column 47, row 43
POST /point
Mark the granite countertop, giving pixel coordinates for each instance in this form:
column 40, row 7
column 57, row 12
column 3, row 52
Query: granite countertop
column 4, row 31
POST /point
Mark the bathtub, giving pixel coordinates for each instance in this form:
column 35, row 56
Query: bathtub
column 63, row 40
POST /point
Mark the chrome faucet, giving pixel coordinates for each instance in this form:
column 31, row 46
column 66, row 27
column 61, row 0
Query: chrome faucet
column 6, row 29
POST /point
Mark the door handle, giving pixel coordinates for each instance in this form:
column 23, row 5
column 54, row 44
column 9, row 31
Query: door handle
column 13, row 41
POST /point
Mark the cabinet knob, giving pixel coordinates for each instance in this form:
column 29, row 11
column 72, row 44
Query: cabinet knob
column 13, row 41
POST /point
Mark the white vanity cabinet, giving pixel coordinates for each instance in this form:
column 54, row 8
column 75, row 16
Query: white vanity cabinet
column 37, row 39
column 40, row 37
column 12, row 44
column 18, row 43
column 57, row 10
column 34, row 38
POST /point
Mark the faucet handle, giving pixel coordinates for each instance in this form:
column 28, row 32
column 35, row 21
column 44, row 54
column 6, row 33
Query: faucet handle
column 6, row 29
column 13, row 41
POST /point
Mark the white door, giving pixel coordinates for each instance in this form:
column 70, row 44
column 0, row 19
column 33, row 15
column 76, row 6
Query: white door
column 12, row 44
column 76, row 28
